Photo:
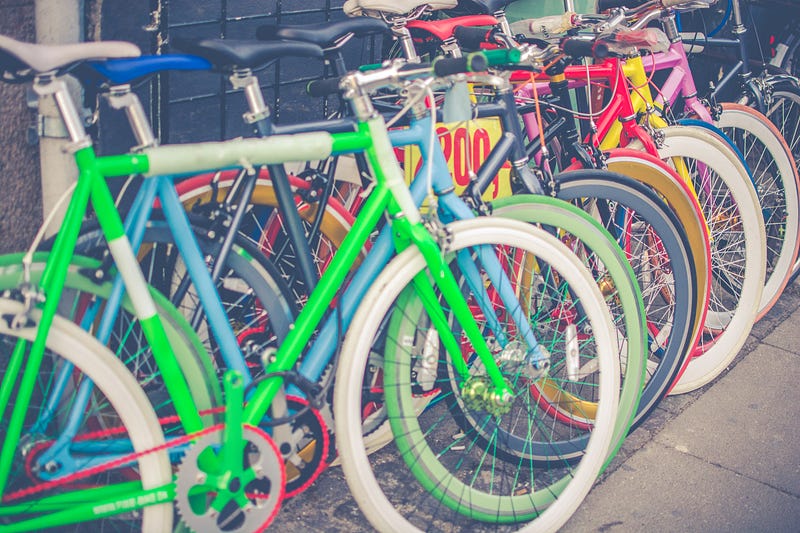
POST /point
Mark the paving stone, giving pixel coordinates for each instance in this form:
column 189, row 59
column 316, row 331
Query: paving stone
column 741, row 422
column 663, row 489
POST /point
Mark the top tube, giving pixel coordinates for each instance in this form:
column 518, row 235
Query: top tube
column 199, row 157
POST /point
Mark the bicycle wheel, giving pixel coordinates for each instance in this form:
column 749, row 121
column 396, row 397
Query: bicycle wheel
column 662, row 263
column 775, row 178
column 654, row 173
column 738, row 242
column 783, row 110
column 83, row 291
column 787, row 52
column 254, row 297
column 454, row 464
column 116, row 399
column 259, row 308
column 615, row 278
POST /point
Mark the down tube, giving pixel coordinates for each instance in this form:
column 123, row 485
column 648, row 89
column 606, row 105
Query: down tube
column 322, row 350
column 453, row 206
column 187, row 245
column 417, row 134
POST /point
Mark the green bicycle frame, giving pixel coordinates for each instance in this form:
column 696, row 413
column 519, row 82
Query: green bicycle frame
column 390, row 195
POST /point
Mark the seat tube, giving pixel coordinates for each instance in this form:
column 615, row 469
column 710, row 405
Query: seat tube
column 259, row 116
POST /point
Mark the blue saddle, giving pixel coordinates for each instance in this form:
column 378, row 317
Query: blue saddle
column 120, row 71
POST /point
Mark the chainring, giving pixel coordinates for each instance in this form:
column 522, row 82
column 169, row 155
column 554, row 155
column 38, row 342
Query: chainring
column 253, row 498
column 310, row 458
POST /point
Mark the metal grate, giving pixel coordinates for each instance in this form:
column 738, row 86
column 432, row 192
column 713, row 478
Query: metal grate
column 200, row 106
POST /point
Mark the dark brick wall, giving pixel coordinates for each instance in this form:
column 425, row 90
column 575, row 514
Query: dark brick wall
column 21, row 198
column 194, row 105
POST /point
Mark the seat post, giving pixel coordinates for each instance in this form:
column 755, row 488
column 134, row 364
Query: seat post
column 404, row 38
column 121, row 97
column 48, row 85
column 243, row 78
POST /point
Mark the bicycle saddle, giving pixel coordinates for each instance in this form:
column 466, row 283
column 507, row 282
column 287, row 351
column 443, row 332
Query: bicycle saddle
column 356, row 8
column 229, row 53
column 119, row 71
column 443, row 29
column 483, row 7
column 16, row 56
column 324, row 34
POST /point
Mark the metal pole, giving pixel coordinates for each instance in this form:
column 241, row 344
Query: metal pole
column 57, row 22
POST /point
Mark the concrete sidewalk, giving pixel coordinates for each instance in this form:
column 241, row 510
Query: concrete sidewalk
column 723, row 458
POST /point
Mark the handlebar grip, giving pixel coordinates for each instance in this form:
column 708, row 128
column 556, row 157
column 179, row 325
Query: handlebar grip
column 371, row 66
column 605, row 5
column 502, row 56
column 324, row 87
column 552, row 25
column 446, row 66
column 584, row 48
column 470, row 37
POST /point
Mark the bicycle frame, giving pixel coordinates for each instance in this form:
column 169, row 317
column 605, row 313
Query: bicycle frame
column 617, row 125
column 740, row 70
column 417, row 134
column 390, row 194
column 162, row 190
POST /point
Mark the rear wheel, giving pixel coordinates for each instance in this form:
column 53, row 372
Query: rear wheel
column 80, row 302
column 775, row 178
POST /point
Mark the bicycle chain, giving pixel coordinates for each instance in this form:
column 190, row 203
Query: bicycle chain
column 311, row 453
column 120, row 461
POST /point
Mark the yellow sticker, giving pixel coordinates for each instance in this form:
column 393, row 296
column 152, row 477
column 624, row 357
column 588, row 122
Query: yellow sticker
column 483, row 135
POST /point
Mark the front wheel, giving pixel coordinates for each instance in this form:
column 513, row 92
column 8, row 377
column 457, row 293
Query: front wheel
column 783, row 110
column 118, row 421
column 775, row 179
column 464, row 460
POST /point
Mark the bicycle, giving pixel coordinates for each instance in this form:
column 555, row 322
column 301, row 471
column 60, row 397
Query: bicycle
column 773, row 170
column 706, row 170
column 252, row 295
column 771, row 91
column 166, row 160
column 316, row 362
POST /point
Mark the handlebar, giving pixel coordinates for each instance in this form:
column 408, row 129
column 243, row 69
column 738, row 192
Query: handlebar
column 584, row 48
column 447, row 66
column 398, row 72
